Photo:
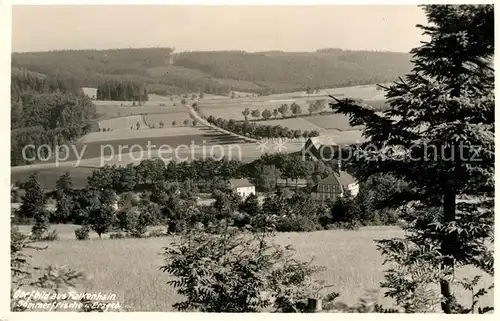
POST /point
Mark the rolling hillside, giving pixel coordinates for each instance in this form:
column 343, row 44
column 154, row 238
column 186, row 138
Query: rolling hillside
column 217, row 72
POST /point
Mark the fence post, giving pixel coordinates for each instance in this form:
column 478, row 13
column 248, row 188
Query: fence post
column 314, row 305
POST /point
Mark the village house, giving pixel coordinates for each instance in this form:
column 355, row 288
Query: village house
column 320, row 148
column 335, row 186
column 327, row 148
column 243, row 187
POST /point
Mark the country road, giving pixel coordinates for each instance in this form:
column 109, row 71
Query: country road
column 244, row 149
column 203, row 121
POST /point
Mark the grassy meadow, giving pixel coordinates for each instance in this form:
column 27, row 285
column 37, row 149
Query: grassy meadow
column 301, row 123
column 122, row 122
column 120, row 116
column 167, row 119
column 130, row 267
column 143, row 133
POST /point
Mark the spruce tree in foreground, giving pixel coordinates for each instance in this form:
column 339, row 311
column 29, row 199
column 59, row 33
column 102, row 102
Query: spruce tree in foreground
column 437, row 136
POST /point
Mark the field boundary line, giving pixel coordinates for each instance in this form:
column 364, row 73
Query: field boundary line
column 319, row 128
column 203, row 121
column 144, row 120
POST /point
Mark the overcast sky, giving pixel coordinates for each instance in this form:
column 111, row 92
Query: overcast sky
column 249, row 28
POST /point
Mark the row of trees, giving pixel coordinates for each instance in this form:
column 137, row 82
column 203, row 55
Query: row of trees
column 264, row 172
column 284, row 109
column 155, row 181
column 254, row 130
column 114, row 200
column 122, row 91
column 207, row 173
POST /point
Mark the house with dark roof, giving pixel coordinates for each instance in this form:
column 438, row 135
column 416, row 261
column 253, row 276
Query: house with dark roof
column 242, row 186
column 328, row 148
column 335, row 186
column 320, row 148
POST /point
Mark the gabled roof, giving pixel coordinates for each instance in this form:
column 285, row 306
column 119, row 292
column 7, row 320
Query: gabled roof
column 330, row 180
column 342, row 179
column 241, row 182
column 328, row 147
column 327, row 140
column 345, row 178
column 320, row 147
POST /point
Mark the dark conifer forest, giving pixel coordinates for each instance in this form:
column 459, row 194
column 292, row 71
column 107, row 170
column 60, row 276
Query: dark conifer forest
column 161, row 71
column 122, row 91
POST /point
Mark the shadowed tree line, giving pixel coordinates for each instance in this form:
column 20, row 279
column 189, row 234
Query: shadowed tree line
column 46, row 110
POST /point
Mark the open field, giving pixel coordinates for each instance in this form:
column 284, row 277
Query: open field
column 153, row 101
column 333, row 121
column 304, row 122
column 233, row 110
column 230, row 148
column 130, row 267
column 109, row 111
column 167, row 119
column 245, row 152
column 245, row 93
column 155, row 105
column 365, row 92
column 221, row 106
column 121, row 134
column 301, row 123
column 122, row 122
column 343, row 137
column 104, row 148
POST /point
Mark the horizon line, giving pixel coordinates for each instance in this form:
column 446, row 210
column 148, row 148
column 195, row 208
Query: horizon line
column 213, row 50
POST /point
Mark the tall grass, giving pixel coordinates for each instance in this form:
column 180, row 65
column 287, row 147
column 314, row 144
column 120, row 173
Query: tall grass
column 130, row 267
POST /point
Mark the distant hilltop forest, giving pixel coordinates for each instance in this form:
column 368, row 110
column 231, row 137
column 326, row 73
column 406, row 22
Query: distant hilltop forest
column 163, row 72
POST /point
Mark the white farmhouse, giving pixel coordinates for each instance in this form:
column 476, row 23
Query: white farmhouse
column 243, row 187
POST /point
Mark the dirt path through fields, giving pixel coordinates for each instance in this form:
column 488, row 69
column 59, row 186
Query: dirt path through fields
column 203, row 121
